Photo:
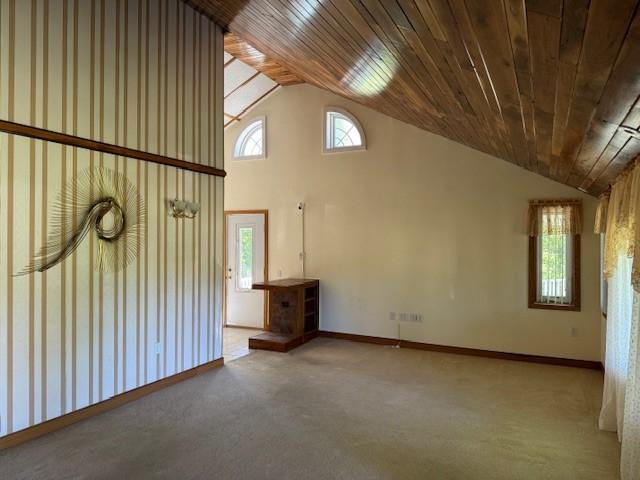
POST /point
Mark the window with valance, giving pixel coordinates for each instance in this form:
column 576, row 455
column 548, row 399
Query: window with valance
column 554, row 254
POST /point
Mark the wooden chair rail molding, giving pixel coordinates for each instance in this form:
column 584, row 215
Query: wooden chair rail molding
column 519, row 357
column 57, row 423
column 64, row 139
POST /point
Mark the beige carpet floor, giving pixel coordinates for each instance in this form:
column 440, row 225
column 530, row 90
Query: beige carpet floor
column 339, row 410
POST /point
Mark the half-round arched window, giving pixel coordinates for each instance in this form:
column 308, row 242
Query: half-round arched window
column 252, row 142
column 342, row 131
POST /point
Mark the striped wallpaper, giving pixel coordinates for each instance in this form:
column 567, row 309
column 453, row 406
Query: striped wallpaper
column 145, row 74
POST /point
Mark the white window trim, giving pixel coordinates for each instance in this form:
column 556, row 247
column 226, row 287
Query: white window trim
column 325, row 132
column 241, row 136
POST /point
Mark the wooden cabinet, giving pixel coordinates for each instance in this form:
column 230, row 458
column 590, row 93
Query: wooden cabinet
column 293, row 308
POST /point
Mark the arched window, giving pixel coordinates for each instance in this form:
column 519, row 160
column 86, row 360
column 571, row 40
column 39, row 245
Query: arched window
column 251, row 142
column 342, row 131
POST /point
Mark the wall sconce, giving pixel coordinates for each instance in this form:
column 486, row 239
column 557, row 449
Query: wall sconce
column 183, row 209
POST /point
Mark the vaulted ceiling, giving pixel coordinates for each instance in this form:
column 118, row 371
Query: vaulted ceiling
column 249, row 77
column 550, row 85
column 244, row 87
column 241, row 50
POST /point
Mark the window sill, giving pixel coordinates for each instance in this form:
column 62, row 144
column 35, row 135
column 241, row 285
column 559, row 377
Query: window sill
column 555, row 306
column 330, row 150
column 248, row 157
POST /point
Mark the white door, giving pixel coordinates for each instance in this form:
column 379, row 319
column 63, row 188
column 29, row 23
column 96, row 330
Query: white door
column 245, row 266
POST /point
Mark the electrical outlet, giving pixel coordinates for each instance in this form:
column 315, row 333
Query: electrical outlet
column 406, row 317
column 574, row 332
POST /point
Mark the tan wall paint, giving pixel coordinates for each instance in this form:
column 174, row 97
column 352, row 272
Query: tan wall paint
column 144, row 74
column 417, row 223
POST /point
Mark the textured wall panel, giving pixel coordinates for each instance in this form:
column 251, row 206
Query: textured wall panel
column 138, row 73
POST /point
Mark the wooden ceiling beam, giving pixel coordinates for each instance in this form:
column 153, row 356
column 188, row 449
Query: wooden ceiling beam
column 242, row 84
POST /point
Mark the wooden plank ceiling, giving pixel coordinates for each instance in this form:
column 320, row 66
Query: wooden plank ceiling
column 550, row 85
column 244, row 52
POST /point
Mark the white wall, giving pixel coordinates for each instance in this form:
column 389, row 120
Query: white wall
column 417, row 223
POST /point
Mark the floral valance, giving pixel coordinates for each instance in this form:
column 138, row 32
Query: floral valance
column 621, row 234
column 600, row 224
column 561, row 217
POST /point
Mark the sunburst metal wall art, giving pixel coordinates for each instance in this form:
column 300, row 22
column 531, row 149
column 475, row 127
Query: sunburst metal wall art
column 98, row 202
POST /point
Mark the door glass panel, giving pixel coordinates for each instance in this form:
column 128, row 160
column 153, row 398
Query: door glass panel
column 245, row 258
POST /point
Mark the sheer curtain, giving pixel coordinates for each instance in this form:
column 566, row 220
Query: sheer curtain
column 619, row 310
column 621, row 395
column 630, row 458
column 562, row 217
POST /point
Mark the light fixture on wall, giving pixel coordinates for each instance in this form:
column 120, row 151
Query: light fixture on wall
column 184, row 209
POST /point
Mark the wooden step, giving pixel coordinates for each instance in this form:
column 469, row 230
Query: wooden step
column 275, row 342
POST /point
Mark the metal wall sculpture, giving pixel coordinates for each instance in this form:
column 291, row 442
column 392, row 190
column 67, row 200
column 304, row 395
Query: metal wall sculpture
column 100, row 202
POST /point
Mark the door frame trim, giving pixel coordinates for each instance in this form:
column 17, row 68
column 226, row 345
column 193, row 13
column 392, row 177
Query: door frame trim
column 228, row 213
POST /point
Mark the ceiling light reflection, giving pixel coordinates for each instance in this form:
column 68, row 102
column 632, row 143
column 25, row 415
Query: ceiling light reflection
column 371, row 74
